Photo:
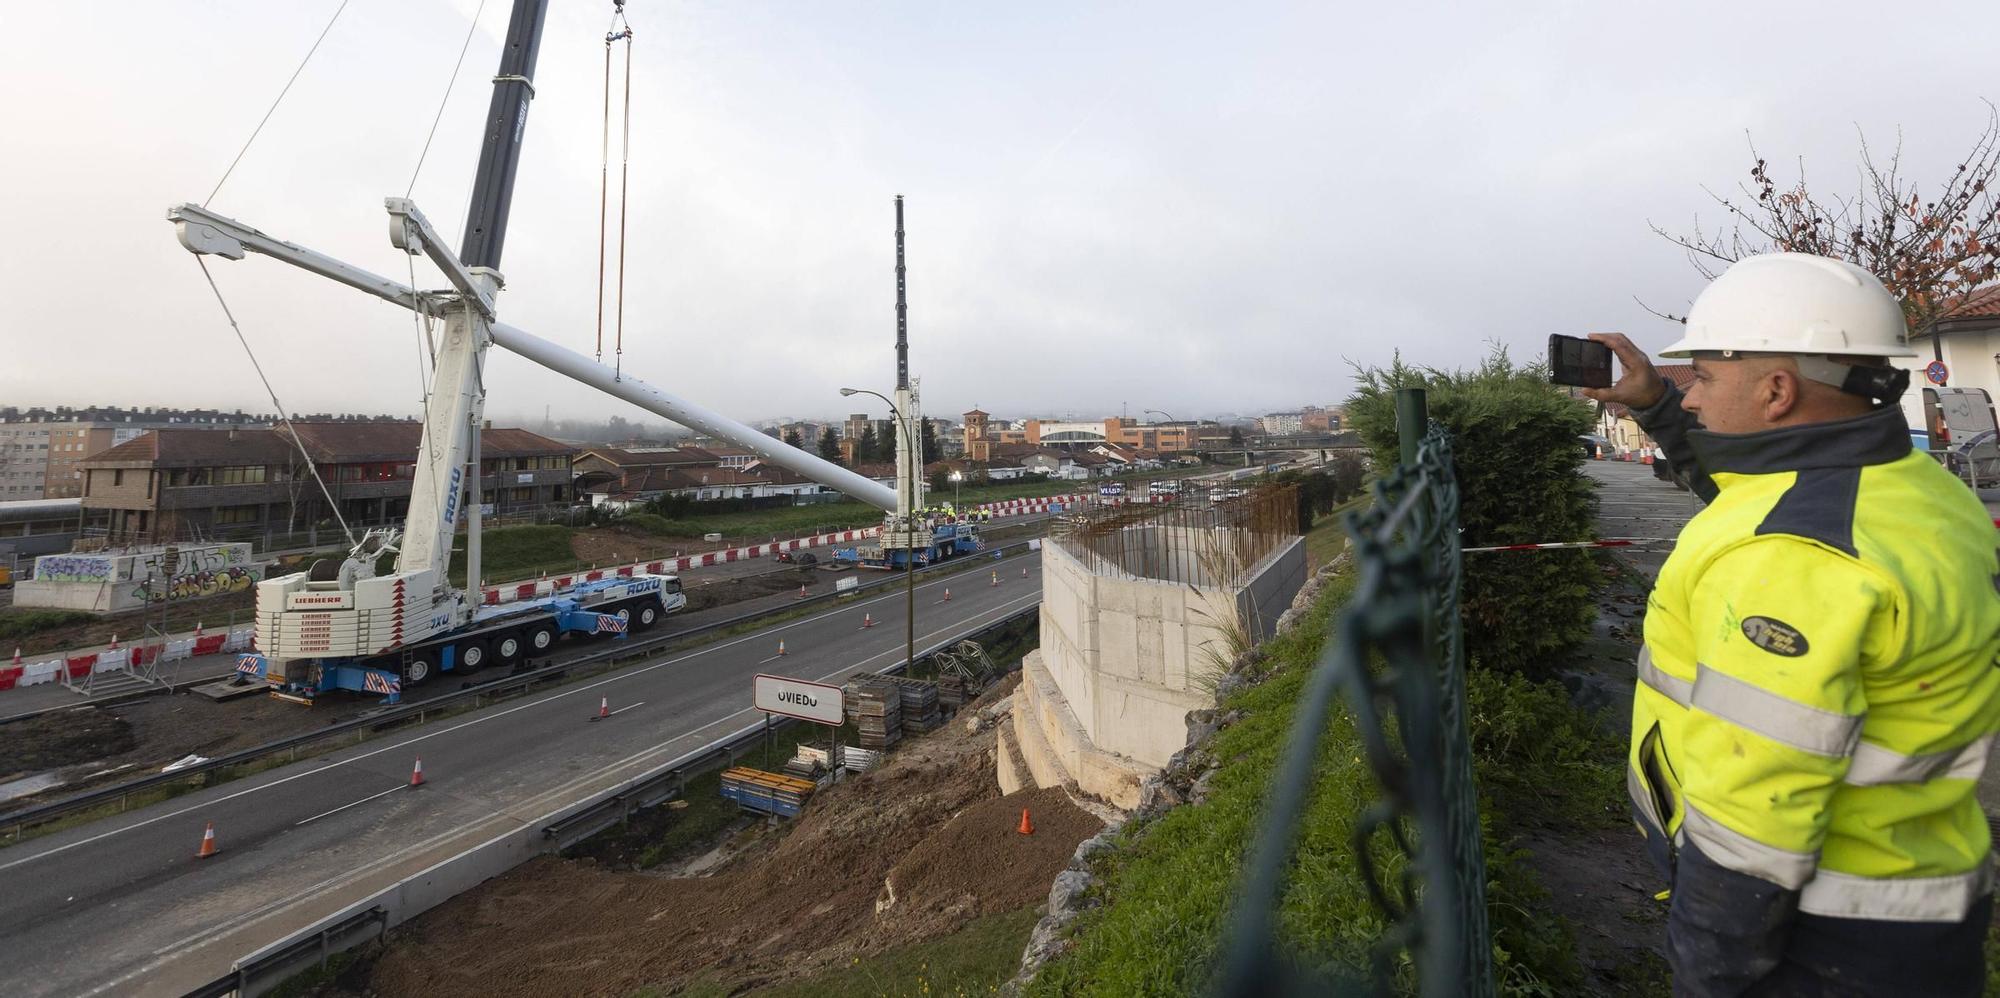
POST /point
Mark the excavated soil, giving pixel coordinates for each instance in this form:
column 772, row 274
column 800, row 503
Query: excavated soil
column 931, row 823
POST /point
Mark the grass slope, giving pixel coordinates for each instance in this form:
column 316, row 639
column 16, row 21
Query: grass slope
column 517, row 552
column 1167, row 887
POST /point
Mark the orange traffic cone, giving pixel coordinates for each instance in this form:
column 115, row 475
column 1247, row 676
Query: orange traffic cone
column 17, row 656
column 1643, row 459
column 1024, row 571
column 802, row 590
column 867, row 620
column 114, row 643
column 1027, row 827
column 996, row 577
column 197, row 628
column 603, row 709
column 417, row 774
column 207, row 842
column 781, row 646
column 947, row 595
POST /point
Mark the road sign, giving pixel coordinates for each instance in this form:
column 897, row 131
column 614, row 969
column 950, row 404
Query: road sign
column 816, row 702
column 1936, row 372
column 1113, row 489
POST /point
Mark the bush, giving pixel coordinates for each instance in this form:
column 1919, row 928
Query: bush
column 1520, row 480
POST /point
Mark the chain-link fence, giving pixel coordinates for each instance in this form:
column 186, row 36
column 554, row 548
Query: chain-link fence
column 1211, row 543
column 1397, row 652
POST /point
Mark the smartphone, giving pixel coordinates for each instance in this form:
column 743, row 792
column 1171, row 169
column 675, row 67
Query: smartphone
column 1574, row 360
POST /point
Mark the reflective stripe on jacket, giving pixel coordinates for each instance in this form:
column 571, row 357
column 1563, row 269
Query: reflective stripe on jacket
column 1818, row 691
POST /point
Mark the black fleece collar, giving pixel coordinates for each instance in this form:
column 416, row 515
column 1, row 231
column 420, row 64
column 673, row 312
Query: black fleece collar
column 1877, row 437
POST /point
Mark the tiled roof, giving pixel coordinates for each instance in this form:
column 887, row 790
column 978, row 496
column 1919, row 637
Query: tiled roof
column 679, row 457
column 1681, row 375
column 329, row 443
column 1980, row 303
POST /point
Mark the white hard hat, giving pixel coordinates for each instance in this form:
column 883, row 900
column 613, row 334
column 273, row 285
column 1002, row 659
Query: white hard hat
column 1795, row 303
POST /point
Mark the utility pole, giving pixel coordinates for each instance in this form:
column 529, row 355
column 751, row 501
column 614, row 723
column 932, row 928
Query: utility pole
column 909, row 466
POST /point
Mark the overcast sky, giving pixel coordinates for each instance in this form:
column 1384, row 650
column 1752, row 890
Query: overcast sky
column 1197, row 208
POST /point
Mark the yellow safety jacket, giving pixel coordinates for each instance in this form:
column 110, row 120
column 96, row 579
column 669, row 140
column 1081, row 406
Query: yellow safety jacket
column 1818, row 692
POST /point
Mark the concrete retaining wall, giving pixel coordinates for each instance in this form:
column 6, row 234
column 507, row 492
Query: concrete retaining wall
column 1104, row 700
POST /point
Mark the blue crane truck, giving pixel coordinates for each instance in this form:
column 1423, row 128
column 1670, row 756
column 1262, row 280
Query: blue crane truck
column 502, row 633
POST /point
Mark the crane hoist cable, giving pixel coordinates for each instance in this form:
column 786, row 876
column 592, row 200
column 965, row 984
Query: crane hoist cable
column 331, row 505
column 620, row 30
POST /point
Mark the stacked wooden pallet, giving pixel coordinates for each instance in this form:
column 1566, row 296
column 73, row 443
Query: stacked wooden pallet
column 875, row 705
column 920, row 704
column 954, row 691
column 766, row 793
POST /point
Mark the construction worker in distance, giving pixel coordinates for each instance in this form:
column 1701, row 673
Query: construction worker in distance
column 1818, row 689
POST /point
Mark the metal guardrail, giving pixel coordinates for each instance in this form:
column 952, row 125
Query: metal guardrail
column 647, row 790
column 499, row 687
column 1404, row 613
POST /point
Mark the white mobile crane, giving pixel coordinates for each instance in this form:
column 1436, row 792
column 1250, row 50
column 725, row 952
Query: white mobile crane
column 345, row 627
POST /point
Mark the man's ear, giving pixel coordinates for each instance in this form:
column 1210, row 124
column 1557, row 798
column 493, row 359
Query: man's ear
column 1782, row 389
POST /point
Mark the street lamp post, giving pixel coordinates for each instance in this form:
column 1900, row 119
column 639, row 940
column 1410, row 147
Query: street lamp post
column 956, row 477
column 909, row 501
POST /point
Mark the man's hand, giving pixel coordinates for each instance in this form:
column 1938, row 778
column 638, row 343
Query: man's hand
column 1639, row 387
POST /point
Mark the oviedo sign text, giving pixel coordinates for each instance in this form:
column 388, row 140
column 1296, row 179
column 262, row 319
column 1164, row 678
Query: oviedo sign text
column 816, row 702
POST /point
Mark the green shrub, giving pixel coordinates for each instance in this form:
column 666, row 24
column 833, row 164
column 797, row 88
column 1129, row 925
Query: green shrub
column 23, row 624
column 1520, row 480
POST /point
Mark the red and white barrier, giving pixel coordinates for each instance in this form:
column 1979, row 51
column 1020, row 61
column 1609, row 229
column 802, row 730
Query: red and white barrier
column 82, row 664
column 543, row 587
column 1609, row 542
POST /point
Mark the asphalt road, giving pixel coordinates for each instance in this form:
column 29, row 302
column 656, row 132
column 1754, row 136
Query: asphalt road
column 123, row 906
column 1632, row 503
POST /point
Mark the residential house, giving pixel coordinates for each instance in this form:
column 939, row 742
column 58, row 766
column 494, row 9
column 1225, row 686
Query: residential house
column 180, row 484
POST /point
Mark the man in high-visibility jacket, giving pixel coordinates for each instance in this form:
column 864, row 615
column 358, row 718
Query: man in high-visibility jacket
column 1820, row 683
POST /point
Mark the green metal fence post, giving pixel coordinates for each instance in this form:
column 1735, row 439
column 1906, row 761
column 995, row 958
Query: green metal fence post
column 1412, row 419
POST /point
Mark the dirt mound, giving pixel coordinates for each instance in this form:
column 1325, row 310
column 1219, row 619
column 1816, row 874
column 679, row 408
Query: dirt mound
column 931, row 820
column 979, row 863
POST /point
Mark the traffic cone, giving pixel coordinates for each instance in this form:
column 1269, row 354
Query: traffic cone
column 996, row 577
column 417, row 774
column 207, row 842
column 867, row 620
column 1643, row 459
column 197, row 628
column 802, row 590
column 17, row 657
column 947, row 594
column 781, row 646
column 1024, row 571
column 1027, row 827
column 114, row 643
column 603, row 709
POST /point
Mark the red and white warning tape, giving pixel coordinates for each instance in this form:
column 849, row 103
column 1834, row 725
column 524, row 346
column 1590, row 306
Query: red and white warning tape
column 1609, row 542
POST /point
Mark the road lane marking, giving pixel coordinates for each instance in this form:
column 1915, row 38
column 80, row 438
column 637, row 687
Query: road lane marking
column 625, row 708
column 344, row 807
column 616, row 676
column 279, row 906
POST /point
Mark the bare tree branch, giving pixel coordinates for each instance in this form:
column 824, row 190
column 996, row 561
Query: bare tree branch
column 1931, row 254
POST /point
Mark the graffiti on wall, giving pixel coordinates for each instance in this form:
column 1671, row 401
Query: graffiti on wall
column 189, row 561
column 72, row 568
column 190, row 573
column 191, row 585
